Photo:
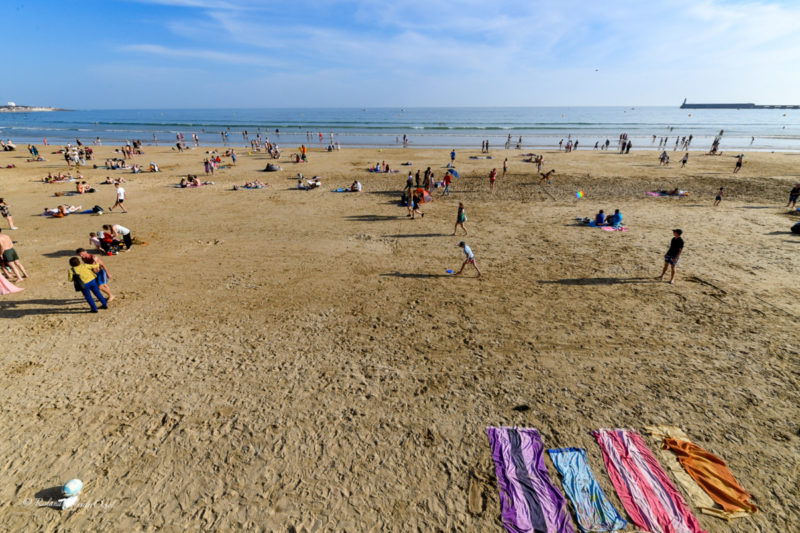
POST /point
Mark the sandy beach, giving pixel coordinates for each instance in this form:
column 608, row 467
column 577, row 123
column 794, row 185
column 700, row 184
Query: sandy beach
column 285, row 360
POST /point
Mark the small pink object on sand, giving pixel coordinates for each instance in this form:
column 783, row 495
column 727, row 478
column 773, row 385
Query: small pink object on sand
column 6, row 287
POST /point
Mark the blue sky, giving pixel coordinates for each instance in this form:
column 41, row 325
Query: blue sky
column 315, row 53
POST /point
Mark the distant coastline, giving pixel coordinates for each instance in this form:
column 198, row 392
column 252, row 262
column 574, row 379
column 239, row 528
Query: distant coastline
column 13, row 108
column 749, row 105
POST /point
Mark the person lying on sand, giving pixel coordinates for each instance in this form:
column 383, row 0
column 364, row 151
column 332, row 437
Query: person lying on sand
column 256, row 184
column 61, row 211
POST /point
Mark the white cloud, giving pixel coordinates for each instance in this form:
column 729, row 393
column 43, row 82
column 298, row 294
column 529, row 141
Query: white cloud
column 507, row 53
column 206, row 55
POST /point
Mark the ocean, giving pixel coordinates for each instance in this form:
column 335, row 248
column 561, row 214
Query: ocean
column 449, row 127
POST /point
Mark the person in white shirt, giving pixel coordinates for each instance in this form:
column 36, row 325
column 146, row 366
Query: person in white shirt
column 120, row 198
column 118, row 231
column 470, row 259
column 356, row 186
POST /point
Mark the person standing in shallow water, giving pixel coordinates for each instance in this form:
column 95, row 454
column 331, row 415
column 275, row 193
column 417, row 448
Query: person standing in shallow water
column 672, row 255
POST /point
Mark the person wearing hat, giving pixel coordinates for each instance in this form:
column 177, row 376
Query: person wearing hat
column 672, row 255
column 470, row 259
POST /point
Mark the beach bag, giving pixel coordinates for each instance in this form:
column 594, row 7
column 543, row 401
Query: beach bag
column 77, row 281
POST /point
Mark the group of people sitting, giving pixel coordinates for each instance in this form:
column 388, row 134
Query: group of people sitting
column 82, row 188
column 383, row 167
column 192, row 181
column 600, row 219
column 117, row 164
column 59, row 178
column 34, row 154
column 110, row 239
column 538, row 159
column 312, row 183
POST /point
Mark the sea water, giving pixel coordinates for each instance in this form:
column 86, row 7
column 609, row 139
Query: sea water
column 449, row 127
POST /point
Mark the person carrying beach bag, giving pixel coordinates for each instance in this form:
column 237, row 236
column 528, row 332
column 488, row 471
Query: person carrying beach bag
column 85, row 281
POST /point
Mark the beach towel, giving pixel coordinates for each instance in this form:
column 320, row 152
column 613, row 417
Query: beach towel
column 594, row 511
column 341, row 189
column 681, row 194
column 646, row 492
column 6, row 287
column 706, row 478
column 613, row 228
column 529, row 500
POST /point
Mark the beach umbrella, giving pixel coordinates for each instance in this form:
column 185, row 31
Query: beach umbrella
column 454, row 172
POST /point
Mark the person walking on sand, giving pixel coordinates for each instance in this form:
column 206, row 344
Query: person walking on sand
column 469, row 260
column 102, row 275
column 84, row 278
column 672, row 255
column 720, row 194
column 10, row 256
column 446, row 181
column 492, row 178
column 4, row 211
column 461, row 217
column 685, row 159
column 739, row 161
column 505, row 167
column 546, row 176
column 120, row 198
column 453, row 156
column 414, row 206
column 794, row 194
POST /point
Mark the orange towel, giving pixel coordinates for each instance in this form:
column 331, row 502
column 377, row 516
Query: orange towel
column 712, row 474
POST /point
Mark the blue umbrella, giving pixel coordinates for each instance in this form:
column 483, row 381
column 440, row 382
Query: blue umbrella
column 454, row 172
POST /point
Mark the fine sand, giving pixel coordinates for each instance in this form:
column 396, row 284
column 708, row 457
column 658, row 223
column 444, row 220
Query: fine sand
column 282, row 360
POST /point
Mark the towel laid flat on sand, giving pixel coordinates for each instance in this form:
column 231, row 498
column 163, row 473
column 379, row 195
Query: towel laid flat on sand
column 706, row 478
column 679, row 194
column 529, row 500
column 645, row 490
column 594, row 511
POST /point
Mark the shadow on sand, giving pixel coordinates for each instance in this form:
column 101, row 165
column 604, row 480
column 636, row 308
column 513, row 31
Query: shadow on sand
column 418, row 275
column 596, row 281
column 18, row 309
column 418, row 235
column 373, row 218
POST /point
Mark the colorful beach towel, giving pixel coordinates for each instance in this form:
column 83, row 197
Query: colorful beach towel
column 529, row 501
column 695, row 493
column 613, row 228
column 646, row 492
column 680, row 194
column 594, row 511
column 712, row 474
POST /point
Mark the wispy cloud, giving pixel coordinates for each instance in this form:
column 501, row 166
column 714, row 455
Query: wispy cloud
column 205, row 55
column 515, row 51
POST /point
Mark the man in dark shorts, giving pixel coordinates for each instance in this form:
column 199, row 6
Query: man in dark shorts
column 674, row 252
column 739, row 161
column 11, row 258
column 794, row 194
column 720, row 194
